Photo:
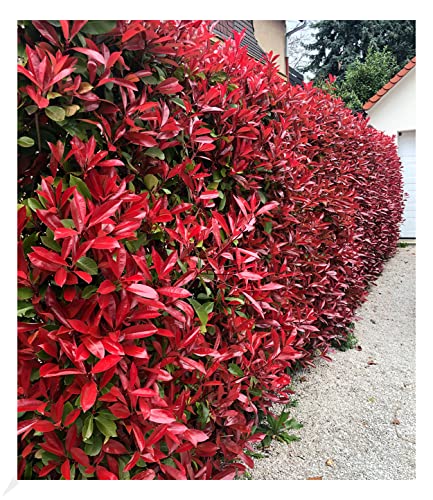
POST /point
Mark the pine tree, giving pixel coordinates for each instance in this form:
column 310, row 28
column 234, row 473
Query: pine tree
column 340, row 43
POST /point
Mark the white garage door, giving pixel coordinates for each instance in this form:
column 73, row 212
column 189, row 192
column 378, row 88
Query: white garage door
column 406, row 150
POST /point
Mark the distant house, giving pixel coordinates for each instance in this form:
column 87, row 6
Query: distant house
column 392, row 110
column 260, row 38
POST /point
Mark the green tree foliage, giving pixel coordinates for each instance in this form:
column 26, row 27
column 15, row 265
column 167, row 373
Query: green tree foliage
column 363, row 79
column 340, row 43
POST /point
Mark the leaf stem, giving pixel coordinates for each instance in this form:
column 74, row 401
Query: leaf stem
column 38, row 131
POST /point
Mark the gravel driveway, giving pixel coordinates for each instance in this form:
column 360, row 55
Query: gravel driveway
column 358, row 411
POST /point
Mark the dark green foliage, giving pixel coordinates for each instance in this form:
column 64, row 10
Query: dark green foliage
column 340, row 43
column 363, row 79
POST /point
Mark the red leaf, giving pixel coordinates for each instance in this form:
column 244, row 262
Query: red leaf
column 136, row 351
column 52, row 464
column 148, row 475
column 79, row 456
column 143, row 291
column 64, row 232
column 114, row 447
column 60, row 276
column 49, row 256
column 194, row 436
column 95, row 346
column 65, row 29
column 65, row 469
column 169, row 86
column 76, row 27
column 91, row 54
column 175, row 292
column 173, row 472
column 134, row 459
column 104, row 212
column 141, row 138
column 71, row 417
column 144, row 393
column 105, row 243
column 84, row 276
column 43, row 426
column 209, row 195
column 106, row 363
column 161, row 416
column 139, row 331
column 189, row 364
column 119, row 410
column 138, row 435
column 88, row 395
column 31, row 405
column 250, row 276
column 106, row 287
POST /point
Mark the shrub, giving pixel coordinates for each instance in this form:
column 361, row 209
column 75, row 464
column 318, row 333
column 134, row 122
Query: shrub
column 191, row 228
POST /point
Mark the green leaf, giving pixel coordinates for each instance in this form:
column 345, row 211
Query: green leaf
column 73, row 128
column 81, row 186
column 155, row 153
column 32, row 108
column 268, row 227
column 218, row 77
column 203, row 413
column 107, row 427
column 87, row 429
column 29, row 241
column 150, row 181
column 93, row 446
column 25, row 293
column 122, row 461
column 25, row 142
column 104, row 413
column 55, row 113
column 67, row 410
column 98, row 27
column 202, row 311
column 53, row 95
column 179, row 102
column 262, row 197
column 235, row 370
column 88, row 291
column 35, row 375
column 25, row 309
column 33, row 204
column 50, row 243
column 151, row 80
column 71, row 110
column 241, row 300
column 88, row 265
column 69, row 223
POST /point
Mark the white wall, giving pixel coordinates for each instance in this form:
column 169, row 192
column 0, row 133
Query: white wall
column 271, row 35
column 396, row 109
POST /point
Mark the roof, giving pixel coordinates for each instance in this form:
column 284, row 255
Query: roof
column 295, row 77
column 387, row 87
column 225, row 29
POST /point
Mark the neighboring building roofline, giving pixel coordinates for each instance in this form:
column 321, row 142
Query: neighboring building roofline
column 387, row 87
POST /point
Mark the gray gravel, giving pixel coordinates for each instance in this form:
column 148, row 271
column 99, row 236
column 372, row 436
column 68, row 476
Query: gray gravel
column 358, row 411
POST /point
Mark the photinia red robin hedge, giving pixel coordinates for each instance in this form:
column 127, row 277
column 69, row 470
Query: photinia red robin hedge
column 191, row 228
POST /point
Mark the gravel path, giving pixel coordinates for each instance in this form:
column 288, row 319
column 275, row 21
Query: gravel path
column 358, row 411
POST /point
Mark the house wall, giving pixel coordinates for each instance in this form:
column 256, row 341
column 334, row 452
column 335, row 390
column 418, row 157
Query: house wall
column 271, row 36
column 395, row 111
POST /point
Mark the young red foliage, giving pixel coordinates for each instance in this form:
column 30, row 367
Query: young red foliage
column 193, row 229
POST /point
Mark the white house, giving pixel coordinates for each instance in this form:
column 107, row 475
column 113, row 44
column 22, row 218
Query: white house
column 392, row 110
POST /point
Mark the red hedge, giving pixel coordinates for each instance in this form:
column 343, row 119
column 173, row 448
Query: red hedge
column 192, row 228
